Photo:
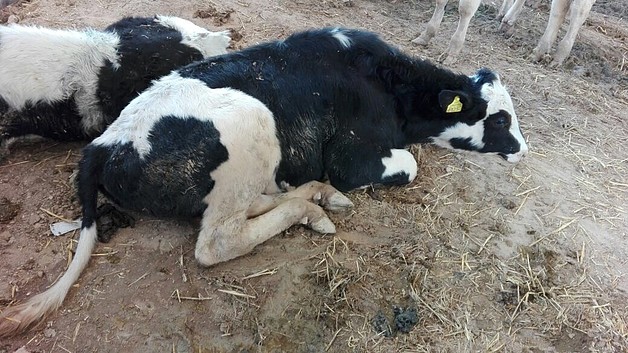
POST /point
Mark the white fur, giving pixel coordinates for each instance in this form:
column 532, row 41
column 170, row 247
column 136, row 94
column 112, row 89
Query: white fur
column 474, row 132
column 49, row 65
column 341, row 37
column 208, row 43
column 177, row 96
column 41, row 64
column 400, row 161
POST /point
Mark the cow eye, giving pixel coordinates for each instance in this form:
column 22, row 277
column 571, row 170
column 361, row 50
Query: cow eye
column 501, row 122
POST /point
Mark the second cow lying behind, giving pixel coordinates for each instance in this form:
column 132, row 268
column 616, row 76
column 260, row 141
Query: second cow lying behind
column 70, row 85
column 216, row 139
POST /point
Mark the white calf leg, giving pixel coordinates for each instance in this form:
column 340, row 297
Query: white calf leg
column 433, row 25
column 578, row 14
column 511, row 16
column 467, row 9
column 506, row 4
column 556, row 18
column 236, row 236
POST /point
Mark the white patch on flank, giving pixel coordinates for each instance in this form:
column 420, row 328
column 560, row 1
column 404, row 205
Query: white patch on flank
column 47, row 65
column 400, row 161
column 208, row 43
column 341, row 37
column 498, row 99
column 185, row 98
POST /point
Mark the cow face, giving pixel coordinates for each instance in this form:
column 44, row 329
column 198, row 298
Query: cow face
column 497, row 131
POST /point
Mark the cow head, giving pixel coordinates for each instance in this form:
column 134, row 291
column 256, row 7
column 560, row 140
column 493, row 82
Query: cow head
column 482, row 120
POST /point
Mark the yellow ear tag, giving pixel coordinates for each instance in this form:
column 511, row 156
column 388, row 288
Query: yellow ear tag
column 455, row 106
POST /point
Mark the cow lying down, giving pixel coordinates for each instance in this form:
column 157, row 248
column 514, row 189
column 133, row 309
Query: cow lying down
column 217, row 138
column 69, row 84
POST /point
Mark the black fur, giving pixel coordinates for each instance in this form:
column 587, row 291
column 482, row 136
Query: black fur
column 147, row 50
column 59, row 120
column 340, row 110
column 171, row 180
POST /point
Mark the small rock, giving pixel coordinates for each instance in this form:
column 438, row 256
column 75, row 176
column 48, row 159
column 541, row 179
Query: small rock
column 34, row 218
column 13, row 19
column 49, row 333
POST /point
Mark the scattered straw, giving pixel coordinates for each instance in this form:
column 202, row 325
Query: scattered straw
column 236, row 293
column 55, row 215
column 264, row 272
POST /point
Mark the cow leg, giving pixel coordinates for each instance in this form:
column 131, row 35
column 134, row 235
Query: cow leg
column 506, row 4
column 354, row 166
column 433, row 25
column 578, row 14
column 467, row 9
column 322, row 194
column 226, row 238
column 556, row 18
column 509, row 19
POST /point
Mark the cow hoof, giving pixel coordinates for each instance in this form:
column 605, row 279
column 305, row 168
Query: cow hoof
column 506, row 29
column 336, row 202
column 450, row 60
column 422, row 41
column 323, row 225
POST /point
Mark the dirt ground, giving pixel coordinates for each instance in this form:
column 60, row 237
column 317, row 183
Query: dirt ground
column 476, row 255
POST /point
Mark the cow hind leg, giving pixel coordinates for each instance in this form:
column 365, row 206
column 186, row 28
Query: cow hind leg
column 236, row 236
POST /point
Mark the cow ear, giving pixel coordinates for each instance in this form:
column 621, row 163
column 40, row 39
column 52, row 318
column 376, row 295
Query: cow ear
column 454, row 101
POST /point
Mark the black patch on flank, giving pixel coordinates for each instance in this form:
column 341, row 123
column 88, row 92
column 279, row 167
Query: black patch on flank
column 497, row 137
column 147, row 51
column 59, row 120
column 174, row 177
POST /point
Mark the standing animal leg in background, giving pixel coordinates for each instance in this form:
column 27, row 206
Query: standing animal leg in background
column 578, row 14
column 506, row 4
column 556, row 18
column 433, row 25
column 509, row 19
column 467, row 9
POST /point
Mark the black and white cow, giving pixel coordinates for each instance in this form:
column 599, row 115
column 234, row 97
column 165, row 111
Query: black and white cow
column 218, row 138
column 70, row 85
